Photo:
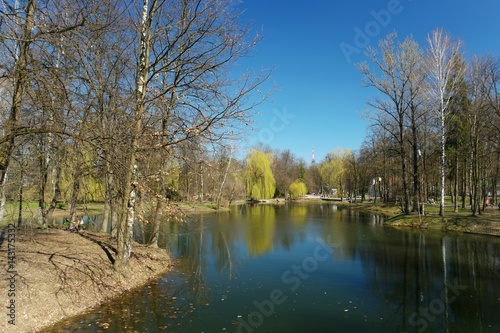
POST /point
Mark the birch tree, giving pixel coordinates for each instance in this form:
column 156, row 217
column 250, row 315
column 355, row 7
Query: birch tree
column 126, row 225
column 185, row 50
column 445, row 72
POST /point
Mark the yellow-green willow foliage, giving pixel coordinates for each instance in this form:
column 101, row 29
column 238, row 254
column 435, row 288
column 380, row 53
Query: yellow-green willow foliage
column 260, row 179
column 297, row 188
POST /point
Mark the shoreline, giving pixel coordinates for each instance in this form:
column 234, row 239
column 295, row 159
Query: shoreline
column 59, row 275
column 478, row 225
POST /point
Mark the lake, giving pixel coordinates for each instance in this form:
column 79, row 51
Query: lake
column 310, row 268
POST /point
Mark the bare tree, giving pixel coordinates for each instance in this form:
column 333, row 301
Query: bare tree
column 193, row 42
column 396, row 77
column 445, row 72
column 478, row 129
column 27, row 32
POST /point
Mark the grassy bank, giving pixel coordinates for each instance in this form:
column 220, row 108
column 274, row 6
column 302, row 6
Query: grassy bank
column 30, row 210
column 487, row 223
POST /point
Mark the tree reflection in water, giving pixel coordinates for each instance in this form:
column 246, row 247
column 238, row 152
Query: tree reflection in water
column 377, row 279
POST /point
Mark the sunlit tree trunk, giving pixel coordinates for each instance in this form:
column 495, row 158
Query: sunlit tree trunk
column 455, row 183
column 126, row 225
column 56, row 190
column 43, row 164
column 108, row 196
column 221, row 188
column 3, row 197
column 442, row 160
column 445, row 74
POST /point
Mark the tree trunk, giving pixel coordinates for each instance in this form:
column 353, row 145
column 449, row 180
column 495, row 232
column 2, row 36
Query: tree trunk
column 20, row 71
column 56, row 194
column 465, row 182
column 114, row 218
column 455, row 187
column 406, row 199
column 202, row 183
column 475, row 206
column 3, row 197
column 219, row 195
column 109, row 195
column 20, row 212
column 106, row 213
column 75, row 190
column 76, row 176
column 44, row 160
column 416, row 184
column 494, row 179
column 442, row 162
column 156, row 223
column 126, row 225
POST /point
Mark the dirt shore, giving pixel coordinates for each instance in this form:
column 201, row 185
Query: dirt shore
column 59, row 274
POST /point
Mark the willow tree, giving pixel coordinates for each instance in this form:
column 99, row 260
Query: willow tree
column 297, row 188
column 260, row 179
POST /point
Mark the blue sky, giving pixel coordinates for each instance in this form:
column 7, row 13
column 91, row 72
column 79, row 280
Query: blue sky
column 319, row 97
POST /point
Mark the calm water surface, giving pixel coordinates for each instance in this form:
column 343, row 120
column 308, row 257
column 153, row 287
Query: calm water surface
column 310, row 268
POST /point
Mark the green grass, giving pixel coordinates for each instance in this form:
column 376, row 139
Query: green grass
column 462, row 221
column 30, row 209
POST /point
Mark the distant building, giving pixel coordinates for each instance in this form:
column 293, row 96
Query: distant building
column 374, row 186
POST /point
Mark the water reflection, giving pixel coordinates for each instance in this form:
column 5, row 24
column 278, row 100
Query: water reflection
column 91, row 222
column 376, row 278
column 434, row 280
column 260, row 229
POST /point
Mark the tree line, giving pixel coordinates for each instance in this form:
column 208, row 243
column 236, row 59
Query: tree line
column 434, row 122
column 433, row 133
column 119, row 101
column 136, row 104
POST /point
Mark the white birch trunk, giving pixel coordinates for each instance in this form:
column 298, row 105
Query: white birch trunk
column 3, row 198
column 443, row 163
column 125, row 230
